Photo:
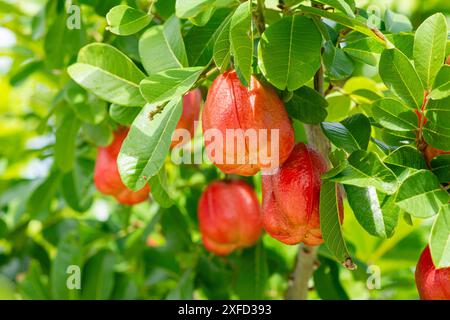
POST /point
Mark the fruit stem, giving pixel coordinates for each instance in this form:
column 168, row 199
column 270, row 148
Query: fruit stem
column 306, row 258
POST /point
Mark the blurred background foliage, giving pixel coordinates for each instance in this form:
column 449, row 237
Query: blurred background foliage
column 49, row 216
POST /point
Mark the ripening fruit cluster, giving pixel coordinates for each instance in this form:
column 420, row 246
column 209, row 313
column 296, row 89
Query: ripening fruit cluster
column 229, row 214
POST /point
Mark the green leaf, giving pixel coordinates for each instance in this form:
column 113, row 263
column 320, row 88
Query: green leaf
column 351, row 134
column 307, row 106
column 58, row 49
column 200, row 40
column 364, row 96
column 326, row 281
column 66, row 138
column 441, row 85
column 429, row 48
column 438, row 137
column 184, row 289
column 77, row 187
column 108, row 73
column 339, row 106
column 123, row 115
column 338, row 65
column 420, row 195
column 159, row 187
column 166, row 85
column 396, row 23
column 397, row 138
column 125, row 287
column 364, row 169
column 162, row 47
column 358, row 24
column 25, row 70
column 40, row 200
column 175, row 229
column 87, row 107
column 330, row 225
column 98, row 276
column 289, row 52
column 441, row 167
column 68, row 254
column 101, row 7
column 165, row 8
column 145, row 148
column 34, row 285
column 366, row 50
column 399, row 75
column 403, row 42
column 376, row 212
column 253, row 274
column 100, row 134
column 440, row 239
column 394, row 115
column 241, row 40
column 438, row 112
column 124, row 20
column 203, row 17
column 213, row 277
column 340, row 5
column 190, row 8
column 406, row 157
column 222, row 47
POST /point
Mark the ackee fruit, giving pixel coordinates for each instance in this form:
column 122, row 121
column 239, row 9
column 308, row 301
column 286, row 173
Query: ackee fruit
column 432, row 283
column 257, row 109
column 192, row 102
column 291, row 198
column 107, row 177
column 229, row 216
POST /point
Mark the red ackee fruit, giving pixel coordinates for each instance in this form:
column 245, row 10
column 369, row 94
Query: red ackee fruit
column 432, row 283
column 192, row 102
column 291, row 198
column 231, row 105
column 229, row 216
column 107, row 177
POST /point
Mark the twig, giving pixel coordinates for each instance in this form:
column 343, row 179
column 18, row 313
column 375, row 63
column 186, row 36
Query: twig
column 259, row 17
column 304, row 268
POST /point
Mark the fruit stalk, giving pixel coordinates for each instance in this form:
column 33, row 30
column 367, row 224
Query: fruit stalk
column 306, row 257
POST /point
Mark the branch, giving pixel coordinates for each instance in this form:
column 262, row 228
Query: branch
column 304, row 268
column 259, row 17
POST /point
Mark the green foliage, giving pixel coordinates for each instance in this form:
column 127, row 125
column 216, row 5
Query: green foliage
column 330, row 224
column 124, row 20
column 241, row 40
column 399, row 75
column 112, row 75
column 429, row 48
column 288, row 61
column 65, row 89
column 162, row 47
column 150, row 158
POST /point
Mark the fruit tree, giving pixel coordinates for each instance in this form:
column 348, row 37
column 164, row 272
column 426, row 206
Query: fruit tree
column 224, row 149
